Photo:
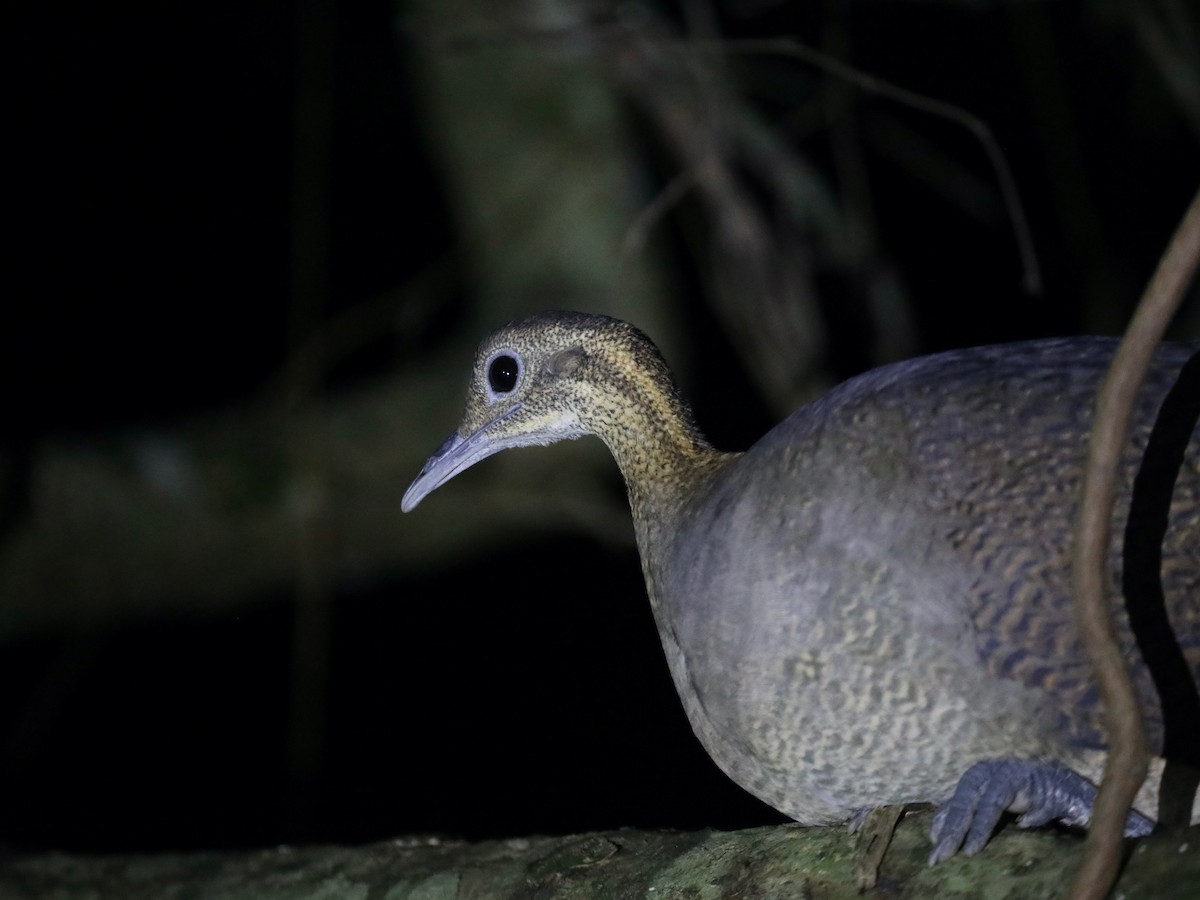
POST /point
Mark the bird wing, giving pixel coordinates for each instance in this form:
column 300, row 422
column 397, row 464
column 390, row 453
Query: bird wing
column 1000, row 434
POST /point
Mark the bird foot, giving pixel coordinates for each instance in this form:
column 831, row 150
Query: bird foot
column 1041, row 792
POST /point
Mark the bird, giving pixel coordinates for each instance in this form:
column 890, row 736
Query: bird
column 871, row 605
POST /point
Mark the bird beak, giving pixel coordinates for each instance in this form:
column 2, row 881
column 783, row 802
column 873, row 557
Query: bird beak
column 455, row 455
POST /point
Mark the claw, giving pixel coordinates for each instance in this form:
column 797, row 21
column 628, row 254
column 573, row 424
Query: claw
column 967, row 821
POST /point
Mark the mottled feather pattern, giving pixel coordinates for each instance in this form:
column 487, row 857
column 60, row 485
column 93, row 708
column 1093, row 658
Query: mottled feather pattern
column 1005, row 461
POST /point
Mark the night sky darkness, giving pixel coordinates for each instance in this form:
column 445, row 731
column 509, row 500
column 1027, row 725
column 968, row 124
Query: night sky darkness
column 149, row 186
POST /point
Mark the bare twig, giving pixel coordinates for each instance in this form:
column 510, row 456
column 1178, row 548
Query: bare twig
column 638, row 233
column 864, row 81
column 761, row 284
column 1166, row 46
column 1128, row 757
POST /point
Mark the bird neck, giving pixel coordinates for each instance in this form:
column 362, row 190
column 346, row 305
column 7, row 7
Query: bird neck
column 663, row 469
column 649, row 429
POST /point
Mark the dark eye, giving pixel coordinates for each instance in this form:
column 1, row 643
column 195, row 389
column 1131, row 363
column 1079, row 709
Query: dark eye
column 502, row 374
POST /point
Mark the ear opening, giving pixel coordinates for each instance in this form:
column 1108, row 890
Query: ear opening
column 564, row 362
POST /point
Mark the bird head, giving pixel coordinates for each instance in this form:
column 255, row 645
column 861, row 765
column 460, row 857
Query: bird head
column 532, row 383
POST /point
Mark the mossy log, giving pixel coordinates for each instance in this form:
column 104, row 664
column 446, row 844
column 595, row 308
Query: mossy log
column 761, row 863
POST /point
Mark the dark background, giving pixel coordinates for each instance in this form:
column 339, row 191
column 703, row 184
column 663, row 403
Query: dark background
column 150, row 186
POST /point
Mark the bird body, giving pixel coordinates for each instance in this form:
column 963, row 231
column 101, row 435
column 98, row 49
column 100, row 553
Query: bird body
column 912, row 608
column 875, row 596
